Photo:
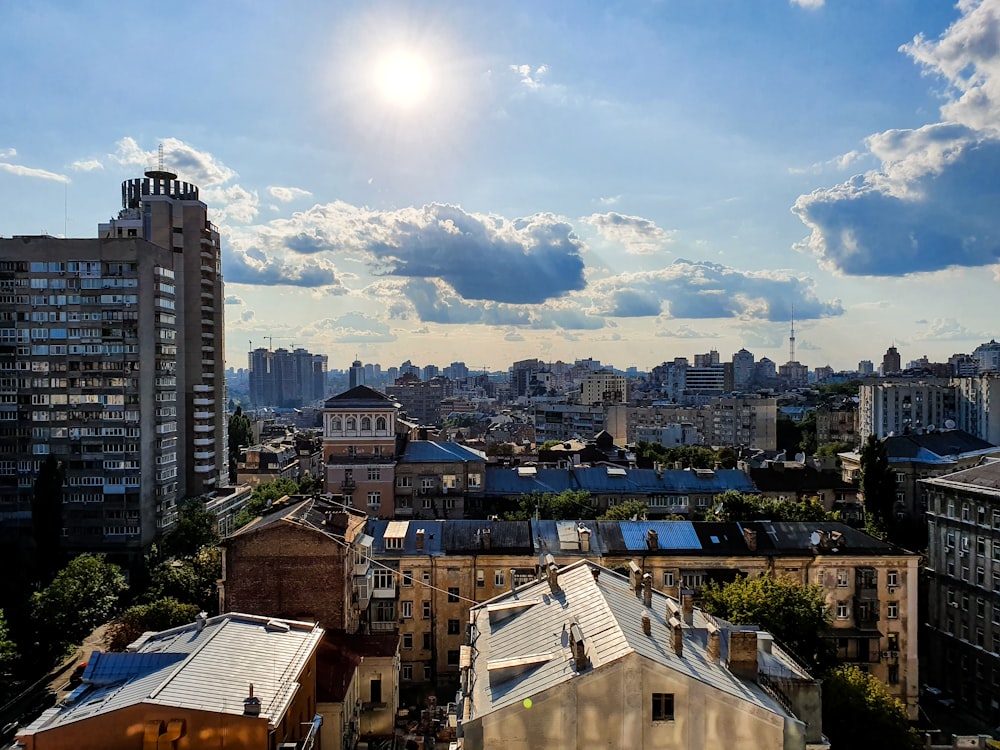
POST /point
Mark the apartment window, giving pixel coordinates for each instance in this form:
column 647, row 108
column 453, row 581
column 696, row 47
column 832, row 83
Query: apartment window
column 449, row 481
column 892, row 578
column 981, row 546
column 668, row 578
column 374, row 474
column 427, row 641
column 475, row 481
column 427, row 483
column 407, row 579
column 843, row 580
column 500, row 578
column 404, row 481
column 981, row 515
column 383, row 579
column 406, row 609
column 349, row 500
column 453, row 657
column 965, row 512
column 407, row 672
column 426, row 609
column 893, row 674
column 893, row 641
column 980, row 575
column 426, row 575
column 452, row 594
column 454, row 627
column 980, row 608
column 407, row 640
column 663, row 706
column 843, row 612
column 427, row 672
column 949, row 540
column 480, row 578
column 427, row 503
column 374, row 499
column 393, row 542
column 892, row 610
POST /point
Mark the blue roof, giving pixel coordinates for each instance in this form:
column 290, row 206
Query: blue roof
column 433, row 535
column 428, row 451
column 599, row 481
column 670, row 534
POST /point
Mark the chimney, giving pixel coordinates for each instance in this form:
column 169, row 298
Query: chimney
column 687, row 606
column 743, row 653
column 552, row 573
column 652, row 539
column 712, row 649
column 420, row 539
column 596, row 572
column 200, row 619
column 485, row 539
column 635, row 576
column 647, row 626
column 584, row 533
column 647, row 589
column 676, row 636
column 251, row 705
column 673, row 610
column 513, row 587
column 578, row 647
column 750, row 536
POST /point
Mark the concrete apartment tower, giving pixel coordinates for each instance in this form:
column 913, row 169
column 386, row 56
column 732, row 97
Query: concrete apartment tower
column 111, row 360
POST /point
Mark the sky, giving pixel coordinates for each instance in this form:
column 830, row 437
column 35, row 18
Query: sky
column 630, row 181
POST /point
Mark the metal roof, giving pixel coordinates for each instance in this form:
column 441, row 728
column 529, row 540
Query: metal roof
column 431, row 543
column 670, row 534
column 429, row 451
column 395, row 530
column 463, row 536
column 605, row 480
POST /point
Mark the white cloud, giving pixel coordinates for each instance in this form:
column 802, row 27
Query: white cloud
column 530, row 78
column 86, row 165
column 190, row 164
column 7, row 153
column 639, row 236
column 288, row 194
column 232, row 204
column 808, row 4
column 42, row 174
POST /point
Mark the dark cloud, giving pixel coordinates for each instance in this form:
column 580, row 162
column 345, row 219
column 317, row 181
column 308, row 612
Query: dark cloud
column 254, row 266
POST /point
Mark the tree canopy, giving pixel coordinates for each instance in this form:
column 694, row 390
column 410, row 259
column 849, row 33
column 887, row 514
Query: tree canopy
column 189, row 581
column 567, row 505
column 878, row 487
column 264, row 494
column 736, row 506
column 625, row 511
column 161, row 614
column 689, row 456
column 196, row 527
column 795, row 614
column 858, row 713
column 240, row 436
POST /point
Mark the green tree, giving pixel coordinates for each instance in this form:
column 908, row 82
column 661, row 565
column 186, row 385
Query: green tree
column 807, row 434
column 796, row 615
column 736, row 506
column 196, row 527
column 240, row 436
column 310, row 485
column 46, row 516
column 625, row 511
column 878, row 487
column 190, row 581
column 499, row 449
column 567, row 505
column 161, row 614
column 858, row 713
column 8, row 655
column 688, row 456
column 82, row 596
column 727, row 458
column 832, row 449
column 262, row 496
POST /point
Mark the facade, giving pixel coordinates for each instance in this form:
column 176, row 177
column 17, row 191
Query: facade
column 901, row 406
column 891, row 362
column 111, row 361
column 566, row 421
column 837, row 423
column 726, row 420
column 286, row 379
column 235, row 681
column 438, row 480
column 961, row 644
column 632, row 668
column 979, row 406
column 603, row 387
column 987, row 357
column 421, row 400
column 359, row 449
column 267, row 463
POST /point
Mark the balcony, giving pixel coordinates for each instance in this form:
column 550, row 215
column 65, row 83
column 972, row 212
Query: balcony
column 348, row 484
column 384, row 592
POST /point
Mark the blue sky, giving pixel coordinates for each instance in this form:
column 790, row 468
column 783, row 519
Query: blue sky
column 486, row 182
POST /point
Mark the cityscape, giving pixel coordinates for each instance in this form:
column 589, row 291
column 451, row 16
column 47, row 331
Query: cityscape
column 520, row 394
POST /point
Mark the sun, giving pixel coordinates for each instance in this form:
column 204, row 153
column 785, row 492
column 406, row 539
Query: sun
column 402, row 79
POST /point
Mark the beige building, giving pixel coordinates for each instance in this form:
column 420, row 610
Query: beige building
column 589, row 658
column 236, row 681
column 603, row 387
column 726, row 420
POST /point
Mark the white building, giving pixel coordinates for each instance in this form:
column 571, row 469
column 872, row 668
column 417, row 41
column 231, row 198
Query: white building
column 897, row 407
column 603, row 387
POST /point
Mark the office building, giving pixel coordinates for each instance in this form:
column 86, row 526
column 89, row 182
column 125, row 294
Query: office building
column 111, row 360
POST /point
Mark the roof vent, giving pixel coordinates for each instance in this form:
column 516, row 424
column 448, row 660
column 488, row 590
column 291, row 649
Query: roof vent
column 652, row 539
column 200, row 619
column 647, row 589
column 277, row 626
column 251, row 704
column 647, row 626
column 578, row 647
column 552, row 573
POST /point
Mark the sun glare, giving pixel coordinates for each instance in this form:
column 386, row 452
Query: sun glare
column 402, row 80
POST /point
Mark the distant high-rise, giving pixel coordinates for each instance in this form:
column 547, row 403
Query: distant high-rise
column 891, row 362
column 357, row 374
column 286, row 379
column 866, row 367
column 111, row 360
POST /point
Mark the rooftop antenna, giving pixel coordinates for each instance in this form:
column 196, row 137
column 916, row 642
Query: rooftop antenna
column 160, row 172
column 791, row 338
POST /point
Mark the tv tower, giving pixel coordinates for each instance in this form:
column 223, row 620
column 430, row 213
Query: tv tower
column 791, row 338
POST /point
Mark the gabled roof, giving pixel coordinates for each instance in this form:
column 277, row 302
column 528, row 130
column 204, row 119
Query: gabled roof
column 360, row 396
column 205, row 667
column 522, row 639
column 314, row 514
column 944, row 446
column 429, row 451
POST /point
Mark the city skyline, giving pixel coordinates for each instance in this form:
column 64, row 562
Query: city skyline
column 443, row 183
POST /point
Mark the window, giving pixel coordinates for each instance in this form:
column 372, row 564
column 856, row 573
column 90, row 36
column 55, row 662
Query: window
column 454, row 627
column 500, row 579
column 427, row 483
column 981, row 546
column 475, row 481
column 480, row 578
column 407, row 579
column 406, row 610
column 427, row 641
column 663, row 706
column 426, row 610
column 393, row 542
column 404, row 481
column 449, row 481
column 892, row 578
column 893, row 674
column 352, row 424
column 407, row 672
column 965, row 512
column 893, row 641
column 336, row 425
column 427, row 672
column 383, row 579
column 668, row 578
column 408, row 640
column 374, row 474
column 453, row 657
column 892, row 610
column 452, row 594
column 374, row 499
column 843, row 611
column 842, row 578
column 949, row 540
column 380, row 423
column 366, row 424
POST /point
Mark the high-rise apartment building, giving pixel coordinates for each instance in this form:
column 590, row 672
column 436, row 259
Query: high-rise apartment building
column 898, row 407
column 286, row 379
column 891, row 362
column 111, row 360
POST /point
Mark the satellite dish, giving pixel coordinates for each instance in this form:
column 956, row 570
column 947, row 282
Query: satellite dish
column 930, row 428
column 949, row 424
column 814, row 538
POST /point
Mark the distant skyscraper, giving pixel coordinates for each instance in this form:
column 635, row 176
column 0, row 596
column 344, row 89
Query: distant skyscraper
column 357, row 376
column 866, row 367
column 286, row 379
column 987, row 357
column 116, row 369
column 891, row 362
column 743, row 369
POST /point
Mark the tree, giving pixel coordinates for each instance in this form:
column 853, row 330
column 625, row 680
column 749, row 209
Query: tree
column 161, row 614
column 81, row 596
column 262, row 496
column 858, row 713
column 499, row 449
column 878, row 487
column 689, row 456
column 191, row 581
column 46, row 515
column 196, row 527
column 832, row 449
column 8, row 655
column 310, row 485
column 240, row 436
column 626, row 511
column 807, row 434
column 735, row 506
column 796, row 615
column 567, row 505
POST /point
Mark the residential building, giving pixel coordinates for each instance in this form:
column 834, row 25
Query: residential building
column 359, row 449
column 743, row 369
column 564, row 421
column 748, row 421
column 791, row 480
column 421, row 400
column 987, row 357
column 438, row 480
column 902, row 406
column 979, row 405
column 837, row 423
column 632, row 668
column 891, row 362
column 236, row 681
column 267, row 462
column 961, row 647
column 603, row 387
column 78, row 317
column 522, row 373
column 286, row 378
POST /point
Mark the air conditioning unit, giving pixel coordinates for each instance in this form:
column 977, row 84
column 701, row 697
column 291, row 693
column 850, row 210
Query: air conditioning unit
column 893, row 654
